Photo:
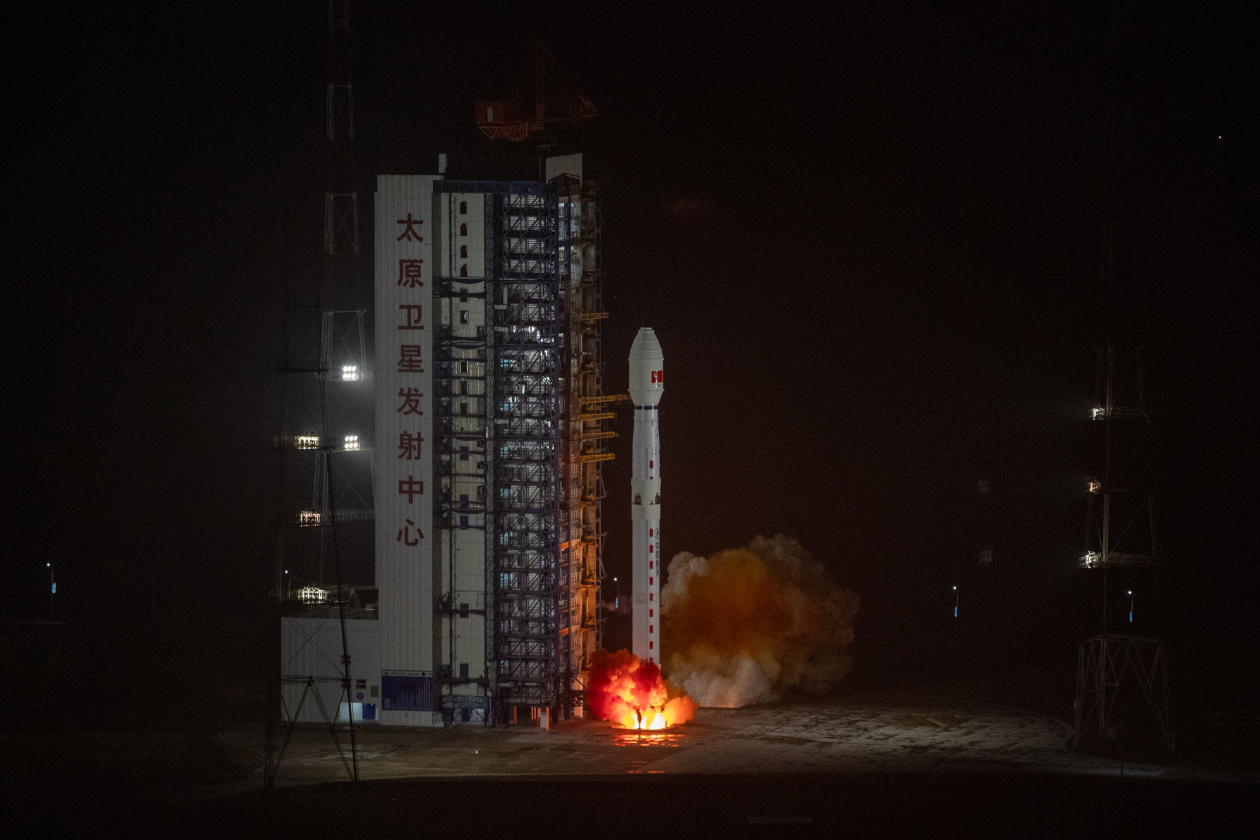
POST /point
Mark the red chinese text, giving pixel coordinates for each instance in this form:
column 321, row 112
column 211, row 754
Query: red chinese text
column 410, row 401
column 410, row 231
column 409, row 273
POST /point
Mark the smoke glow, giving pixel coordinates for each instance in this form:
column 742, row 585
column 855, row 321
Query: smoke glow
column 633, row 694
column 750, row 625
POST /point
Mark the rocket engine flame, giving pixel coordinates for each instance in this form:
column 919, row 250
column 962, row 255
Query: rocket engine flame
column 633, row 694
column 749, row 625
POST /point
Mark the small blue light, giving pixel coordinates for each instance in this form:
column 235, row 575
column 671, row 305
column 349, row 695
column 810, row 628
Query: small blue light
column 955, row 612
column 54, row 588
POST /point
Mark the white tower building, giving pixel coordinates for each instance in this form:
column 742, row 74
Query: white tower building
column 647, row 384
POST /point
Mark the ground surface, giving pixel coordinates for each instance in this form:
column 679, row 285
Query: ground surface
column 877, row 765
column 871, row 735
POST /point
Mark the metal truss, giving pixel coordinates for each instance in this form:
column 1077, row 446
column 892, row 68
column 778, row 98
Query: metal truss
column 1110, row 666
column 321, row 351
column 523, row 440
column 582, row 532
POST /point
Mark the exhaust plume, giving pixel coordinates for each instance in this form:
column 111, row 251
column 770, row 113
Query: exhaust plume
column 633, row 694
column 751, row 625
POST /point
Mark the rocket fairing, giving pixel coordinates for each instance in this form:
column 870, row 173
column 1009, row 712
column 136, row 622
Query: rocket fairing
column 647, row 384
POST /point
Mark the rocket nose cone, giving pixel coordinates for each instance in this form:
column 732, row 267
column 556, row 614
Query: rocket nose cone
column 646, row 346
column 647, row 368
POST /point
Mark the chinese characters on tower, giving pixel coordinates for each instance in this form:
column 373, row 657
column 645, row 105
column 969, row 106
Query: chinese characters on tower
column 410, row 361
column 403, row 464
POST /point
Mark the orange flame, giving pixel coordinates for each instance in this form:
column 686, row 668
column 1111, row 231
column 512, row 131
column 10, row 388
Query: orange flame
column 633, row 694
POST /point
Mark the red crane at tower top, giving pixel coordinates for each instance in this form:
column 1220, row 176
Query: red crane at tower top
column 550, row 102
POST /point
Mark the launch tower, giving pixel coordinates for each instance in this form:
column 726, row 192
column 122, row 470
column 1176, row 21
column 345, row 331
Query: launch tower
column 490, row 420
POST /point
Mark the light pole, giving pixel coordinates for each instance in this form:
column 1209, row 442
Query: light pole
column 616, row 595
column 287, row 588
column 1130, row 606
column 52, row 588
column 955, row 602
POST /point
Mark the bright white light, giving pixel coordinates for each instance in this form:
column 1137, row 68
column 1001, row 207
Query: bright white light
column 350, row 373
column 312, row 595
column 307, row 518
column 1089, row 559
column 1097, row 411
column 1095, row 487
column 307, row 442
column 352, row 441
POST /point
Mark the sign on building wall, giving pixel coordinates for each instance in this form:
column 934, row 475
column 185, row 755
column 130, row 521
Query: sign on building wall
column 404, row 422
column 402, row 692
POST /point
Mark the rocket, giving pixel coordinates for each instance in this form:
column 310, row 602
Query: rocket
column 647, row 383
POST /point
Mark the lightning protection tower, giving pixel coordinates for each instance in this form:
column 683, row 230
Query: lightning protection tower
column 1120, row 672
column 324, row 507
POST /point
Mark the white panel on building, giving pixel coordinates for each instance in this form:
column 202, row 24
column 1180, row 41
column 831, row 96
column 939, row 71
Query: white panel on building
column 404, row 433
column 564, row 165
column 310, row 666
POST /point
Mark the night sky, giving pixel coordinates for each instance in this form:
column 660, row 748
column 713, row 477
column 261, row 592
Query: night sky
column 868, row 242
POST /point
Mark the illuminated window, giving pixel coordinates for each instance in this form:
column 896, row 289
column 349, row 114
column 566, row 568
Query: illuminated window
column 307, row 518
column 350, row 373
column 307, row 442
column 1095, row 487
column 312, row 595
column 352, row 442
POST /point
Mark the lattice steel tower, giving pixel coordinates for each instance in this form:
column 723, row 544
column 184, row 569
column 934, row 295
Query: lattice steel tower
column 1120, row 529
column 1120, row 672
column 324, row 507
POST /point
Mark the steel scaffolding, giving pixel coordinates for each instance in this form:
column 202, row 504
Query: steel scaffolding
column 459, row 429
column 524, row 443
column 509, row 379
column 585, row 435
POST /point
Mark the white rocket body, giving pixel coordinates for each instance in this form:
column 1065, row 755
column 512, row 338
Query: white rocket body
column 647, row 384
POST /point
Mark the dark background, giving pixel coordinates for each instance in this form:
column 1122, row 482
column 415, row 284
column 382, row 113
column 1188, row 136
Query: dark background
column 868, row 241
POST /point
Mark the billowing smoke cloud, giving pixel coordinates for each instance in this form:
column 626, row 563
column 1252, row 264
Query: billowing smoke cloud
column 751, row 625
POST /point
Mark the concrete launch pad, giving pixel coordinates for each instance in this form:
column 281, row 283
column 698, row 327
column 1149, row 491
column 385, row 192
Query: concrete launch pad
column 871, row 735
column 871, row 766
